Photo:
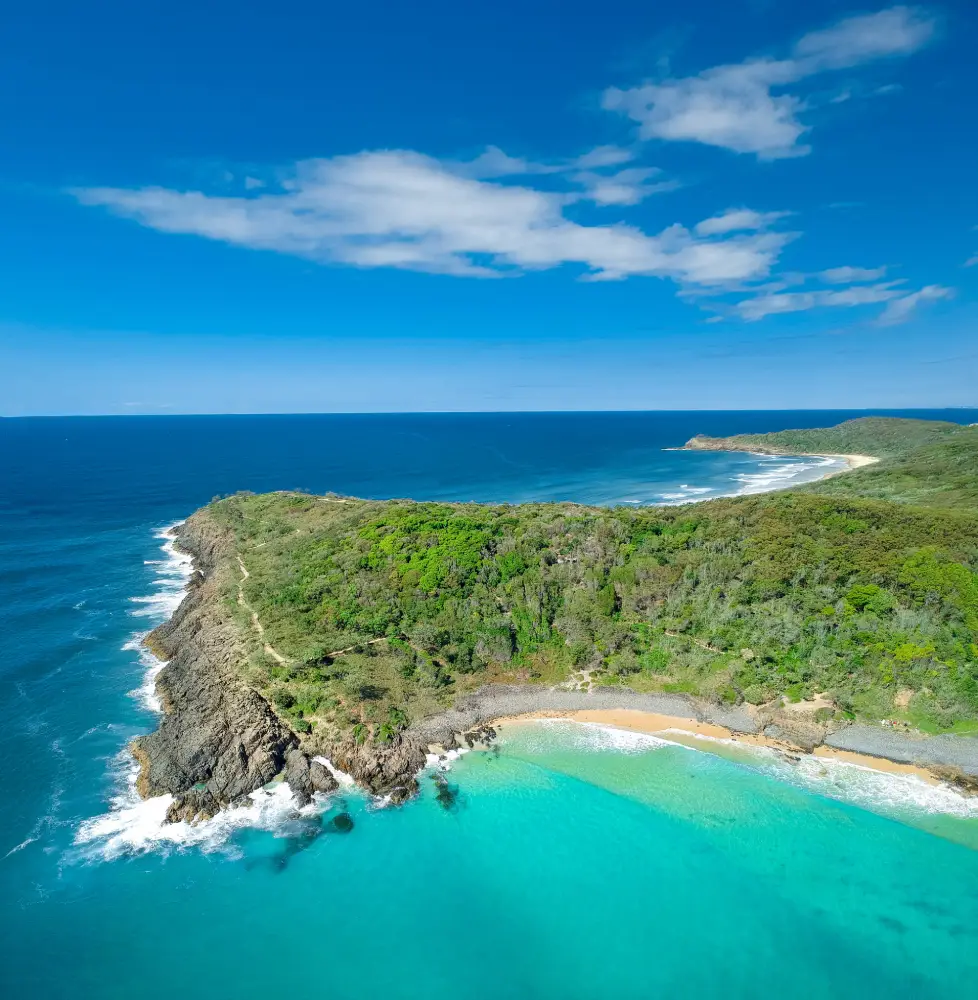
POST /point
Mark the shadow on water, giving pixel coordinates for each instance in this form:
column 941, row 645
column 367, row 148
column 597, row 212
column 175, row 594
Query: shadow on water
column 301, row 833
column 446, row 795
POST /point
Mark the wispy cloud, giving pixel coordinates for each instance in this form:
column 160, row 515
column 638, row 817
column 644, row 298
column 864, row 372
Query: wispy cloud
column 402, row 209
column 493, row 163
column 738, row 220
column 851, row 275
column 737, row 107
column 900, row 303
column 899, row 310
column 624, row 187
column 779, row 303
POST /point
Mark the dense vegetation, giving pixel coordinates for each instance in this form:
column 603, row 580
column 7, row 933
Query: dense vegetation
column 384, row 610
column 878, row 436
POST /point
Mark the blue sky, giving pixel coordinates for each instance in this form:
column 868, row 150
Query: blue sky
column 444, row 206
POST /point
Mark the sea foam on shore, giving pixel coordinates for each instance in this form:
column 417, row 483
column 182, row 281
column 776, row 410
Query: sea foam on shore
column 133, row 824
column 905, row 797
column 773, row 473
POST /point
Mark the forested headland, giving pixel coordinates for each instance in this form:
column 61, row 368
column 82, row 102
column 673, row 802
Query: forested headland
column 361, row 617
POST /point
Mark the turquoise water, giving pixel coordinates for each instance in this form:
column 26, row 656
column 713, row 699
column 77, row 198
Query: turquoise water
column 576, row 862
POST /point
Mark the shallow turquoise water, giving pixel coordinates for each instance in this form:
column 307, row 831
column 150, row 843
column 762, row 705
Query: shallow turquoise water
column 574, row 864
column 578, row 862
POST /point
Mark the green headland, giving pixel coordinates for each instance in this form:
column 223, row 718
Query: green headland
column 361, row 617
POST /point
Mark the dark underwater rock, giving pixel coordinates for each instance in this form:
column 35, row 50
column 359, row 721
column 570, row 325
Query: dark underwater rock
column 341, row 823
column 446, row 795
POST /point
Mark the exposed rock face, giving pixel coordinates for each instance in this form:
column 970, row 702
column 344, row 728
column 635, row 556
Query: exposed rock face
column 800, row 731
column 389, row 769
column 307, row 776
column 218, row 739
column 964, row 782
column 702, row 442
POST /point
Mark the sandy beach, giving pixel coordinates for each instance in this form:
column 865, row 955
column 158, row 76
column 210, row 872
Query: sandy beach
column 690, row 732
column 857, row 461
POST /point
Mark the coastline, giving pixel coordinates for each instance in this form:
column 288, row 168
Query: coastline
column 219, row 739
column 196, row 756
column 698, row 735
column 938, row 759
column 852, row 463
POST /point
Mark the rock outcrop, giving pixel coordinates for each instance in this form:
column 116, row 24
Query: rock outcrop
column 306, row 776
column 388, row 769
column 218, row 739
column 703, row 442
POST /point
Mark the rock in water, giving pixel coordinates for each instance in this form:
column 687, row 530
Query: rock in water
column 306, row 776
column 342, row 822
column 191, row 806
column 384, row 769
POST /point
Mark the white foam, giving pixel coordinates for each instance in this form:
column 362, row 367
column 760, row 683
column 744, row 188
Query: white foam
column 878, row 791
column 135, row 825
column 146, row 694
column 172, row 574
column 598, row 736
column 343, row 779
column 444, row 761
column 779, row 474
column 774, row 474
column 20, row 846
column 901, row 796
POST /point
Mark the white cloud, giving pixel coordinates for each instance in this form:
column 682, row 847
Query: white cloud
column 899, row 31
column 603, row 156
column 737, row 220
column 492, row 162
column 851, row 275
column 778, row 303
column 899, row 303
column 735, row 106
column 901, row 309
column 626, row 187
column 405, row 210
column 971, row 261
column 728, row 106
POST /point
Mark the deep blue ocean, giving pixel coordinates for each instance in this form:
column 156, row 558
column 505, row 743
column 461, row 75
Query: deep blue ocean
column 579, row 861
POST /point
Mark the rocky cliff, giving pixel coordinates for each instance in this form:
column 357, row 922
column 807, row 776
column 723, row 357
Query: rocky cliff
column 218, row 739
column 702, row 442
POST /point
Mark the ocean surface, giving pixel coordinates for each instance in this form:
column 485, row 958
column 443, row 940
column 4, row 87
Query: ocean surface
column 575, row 862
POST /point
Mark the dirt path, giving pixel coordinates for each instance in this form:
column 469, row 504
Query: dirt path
column 274, row 653
column 349, row 649
column 695, row 642
column 259, row 628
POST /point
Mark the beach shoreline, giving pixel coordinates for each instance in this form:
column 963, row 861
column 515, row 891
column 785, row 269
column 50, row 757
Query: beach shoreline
column 852, row 463
column 698, row 735
column 938, row 759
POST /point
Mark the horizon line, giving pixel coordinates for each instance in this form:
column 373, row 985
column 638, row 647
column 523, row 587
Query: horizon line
column 418, row 413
